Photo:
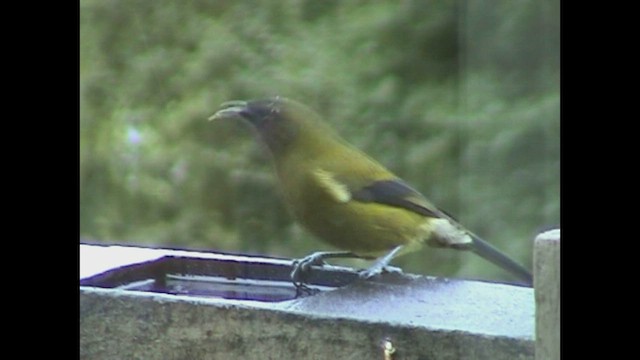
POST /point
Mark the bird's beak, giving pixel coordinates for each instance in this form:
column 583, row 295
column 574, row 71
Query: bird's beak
column 229, row 110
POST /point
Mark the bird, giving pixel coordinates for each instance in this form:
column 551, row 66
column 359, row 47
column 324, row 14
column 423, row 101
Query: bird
column 346, row 198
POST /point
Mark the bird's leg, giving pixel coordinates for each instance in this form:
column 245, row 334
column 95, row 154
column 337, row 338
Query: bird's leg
column 381, row 264
column 302, row 267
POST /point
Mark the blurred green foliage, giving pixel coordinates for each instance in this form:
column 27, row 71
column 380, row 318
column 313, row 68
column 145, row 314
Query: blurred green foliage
column 460, row 98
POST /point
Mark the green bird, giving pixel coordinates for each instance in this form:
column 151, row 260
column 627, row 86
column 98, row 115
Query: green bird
column 348, row 199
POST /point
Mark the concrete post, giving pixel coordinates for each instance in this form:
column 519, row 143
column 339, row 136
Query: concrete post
column 547, row 295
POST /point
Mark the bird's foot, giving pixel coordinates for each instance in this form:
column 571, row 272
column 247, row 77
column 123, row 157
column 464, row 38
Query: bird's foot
column 302, row 268
column 378, row 269
column 382, row 265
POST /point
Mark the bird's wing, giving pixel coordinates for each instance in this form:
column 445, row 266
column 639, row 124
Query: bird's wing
column 337, row 190
column 392, row 192
column 395, row 192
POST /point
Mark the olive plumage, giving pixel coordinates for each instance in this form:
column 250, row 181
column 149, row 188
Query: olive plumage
column 345, row 197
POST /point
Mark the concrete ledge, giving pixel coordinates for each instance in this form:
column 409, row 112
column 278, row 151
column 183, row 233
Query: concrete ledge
column 422, row 318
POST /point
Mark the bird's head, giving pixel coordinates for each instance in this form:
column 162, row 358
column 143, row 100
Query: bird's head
column 279, row 122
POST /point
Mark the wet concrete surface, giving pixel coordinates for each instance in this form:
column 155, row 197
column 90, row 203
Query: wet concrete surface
column 422, row 317
column 435, row 303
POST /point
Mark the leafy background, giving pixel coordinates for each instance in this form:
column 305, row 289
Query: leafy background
column 460, row 98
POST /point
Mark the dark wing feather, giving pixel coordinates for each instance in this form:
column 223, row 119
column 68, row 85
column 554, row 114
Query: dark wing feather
column 397, row 193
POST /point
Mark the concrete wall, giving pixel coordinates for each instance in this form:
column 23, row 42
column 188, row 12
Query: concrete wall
column 421, row 317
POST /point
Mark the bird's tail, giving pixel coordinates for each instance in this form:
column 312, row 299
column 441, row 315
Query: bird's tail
column 490, row 253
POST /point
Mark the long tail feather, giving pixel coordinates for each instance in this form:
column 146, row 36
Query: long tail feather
column 490, row 253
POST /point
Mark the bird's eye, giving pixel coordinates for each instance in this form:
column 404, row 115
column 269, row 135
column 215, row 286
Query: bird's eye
column 275, row 109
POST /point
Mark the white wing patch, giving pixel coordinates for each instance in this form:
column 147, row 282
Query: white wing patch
column 337, row 190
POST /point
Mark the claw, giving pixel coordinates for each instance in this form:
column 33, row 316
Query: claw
column 302, row 267
column 382, row 265
column 378, row 269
